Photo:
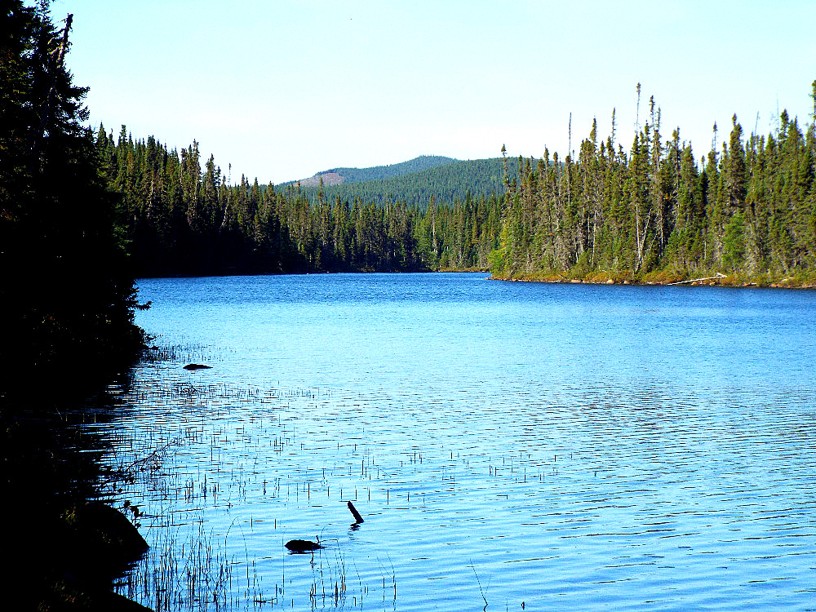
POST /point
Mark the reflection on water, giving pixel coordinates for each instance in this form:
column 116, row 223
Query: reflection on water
column 520, row 446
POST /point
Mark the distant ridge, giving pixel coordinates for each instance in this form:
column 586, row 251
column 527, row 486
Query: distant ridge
column 340, row 176
column 415, row 182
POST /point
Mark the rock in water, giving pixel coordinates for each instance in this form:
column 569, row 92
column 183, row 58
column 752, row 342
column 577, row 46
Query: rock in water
column 106, row 541
column 300, row 546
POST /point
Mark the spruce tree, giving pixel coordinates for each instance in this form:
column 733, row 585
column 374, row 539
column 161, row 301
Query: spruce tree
column 66, row 291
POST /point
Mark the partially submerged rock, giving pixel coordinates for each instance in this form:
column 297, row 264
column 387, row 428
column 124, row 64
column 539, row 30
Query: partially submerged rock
column 105, row 537
column 94, row 545
column 302, row 546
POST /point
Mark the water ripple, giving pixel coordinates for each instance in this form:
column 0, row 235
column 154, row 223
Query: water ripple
column 650, row 452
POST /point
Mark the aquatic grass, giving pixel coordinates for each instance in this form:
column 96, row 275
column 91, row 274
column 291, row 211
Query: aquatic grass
column 187, row 353
column 190, row 567
column 479, row 582
column 192, row 574
column 392, row 587
column 195, row 569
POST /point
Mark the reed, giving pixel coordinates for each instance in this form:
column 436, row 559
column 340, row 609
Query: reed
column 190, row 566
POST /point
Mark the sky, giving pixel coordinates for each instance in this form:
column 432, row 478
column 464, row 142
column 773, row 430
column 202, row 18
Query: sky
column 281, row 89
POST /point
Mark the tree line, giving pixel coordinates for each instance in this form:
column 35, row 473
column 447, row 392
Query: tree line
column 747, row 210
column 182, row 217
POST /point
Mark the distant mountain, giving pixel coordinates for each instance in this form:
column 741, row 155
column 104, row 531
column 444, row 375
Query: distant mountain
column 414, row 182
column 340, row 176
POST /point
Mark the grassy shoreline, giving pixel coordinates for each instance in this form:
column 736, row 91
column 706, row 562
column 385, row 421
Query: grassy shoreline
column 799, row 280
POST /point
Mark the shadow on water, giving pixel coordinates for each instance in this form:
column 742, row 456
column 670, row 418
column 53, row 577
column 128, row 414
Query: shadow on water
column 65, row 546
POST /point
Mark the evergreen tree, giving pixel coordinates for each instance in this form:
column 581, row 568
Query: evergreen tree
column 65, row 286
column 653, row 212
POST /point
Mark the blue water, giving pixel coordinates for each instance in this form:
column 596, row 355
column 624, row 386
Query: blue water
column 520, row 446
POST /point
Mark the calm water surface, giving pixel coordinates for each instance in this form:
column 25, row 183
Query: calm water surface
column 515, row 446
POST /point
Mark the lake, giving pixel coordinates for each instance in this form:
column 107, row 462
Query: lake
column 510, row 446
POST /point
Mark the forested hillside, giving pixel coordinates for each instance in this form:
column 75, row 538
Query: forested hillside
column 446, row 183
column 376, row 173
column 746, row 211
column 183, row 218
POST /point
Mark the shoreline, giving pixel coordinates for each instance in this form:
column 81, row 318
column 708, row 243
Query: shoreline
column 716, row 279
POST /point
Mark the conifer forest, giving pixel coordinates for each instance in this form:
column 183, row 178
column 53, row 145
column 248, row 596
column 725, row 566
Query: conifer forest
column 653, row 211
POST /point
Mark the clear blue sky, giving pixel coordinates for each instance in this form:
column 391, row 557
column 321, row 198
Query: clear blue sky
column 282, row 89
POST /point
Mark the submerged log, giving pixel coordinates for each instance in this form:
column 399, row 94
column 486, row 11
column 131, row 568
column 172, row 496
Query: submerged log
column 301, row 546
column 357, row 516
